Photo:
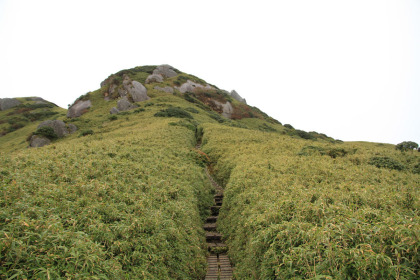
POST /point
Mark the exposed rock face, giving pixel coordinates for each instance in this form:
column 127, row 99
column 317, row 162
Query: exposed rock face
column 154, row 78
column 59, row 127
column 7, row 103
column 138, row 92
column 165, row 70
column 114, row 110
column 227, row 108
column 189, row 86
column 124, row 105
column 236, row 96
column 165, row 89
column 38, row 141
column 78, row 108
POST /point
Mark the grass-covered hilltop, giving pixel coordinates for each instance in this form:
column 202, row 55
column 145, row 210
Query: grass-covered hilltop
column 115, row 187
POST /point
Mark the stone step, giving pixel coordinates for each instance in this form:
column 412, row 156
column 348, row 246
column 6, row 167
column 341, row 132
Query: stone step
column 218, row 203
column 213, row 237
column 211, row 219
column 210, row 226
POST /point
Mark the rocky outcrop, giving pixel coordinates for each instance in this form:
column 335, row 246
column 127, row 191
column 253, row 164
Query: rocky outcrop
column 138, row 92
column 165, row 89
column 78, row 108
column 154, row 78
column 59, row 127
column 7, row 103
column 124, row 105
column 189, row 86
column 38, row 141
column 165, row 70
column 133, row 88
column 227, row 108
column 236, row 96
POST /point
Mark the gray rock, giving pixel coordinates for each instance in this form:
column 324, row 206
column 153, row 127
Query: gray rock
column 114, row 110
column 189, row 86
column 38, row 141
column 123, row 104
column 138, row 92
column 165, row 89
column 78, row 108
column 154, row 78
column 112, row 89
column 165, row 70
column 58, row 126
column 236, row 96
column 227, row 108
column 7, row 103
column 71, row 128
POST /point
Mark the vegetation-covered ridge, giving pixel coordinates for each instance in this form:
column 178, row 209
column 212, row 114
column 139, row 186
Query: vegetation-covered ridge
column 125, row 196
column 302, row 210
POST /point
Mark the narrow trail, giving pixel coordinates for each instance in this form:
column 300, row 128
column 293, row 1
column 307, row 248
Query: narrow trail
column 219, row 266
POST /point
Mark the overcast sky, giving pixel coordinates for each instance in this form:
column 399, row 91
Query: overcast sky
column 349, row 69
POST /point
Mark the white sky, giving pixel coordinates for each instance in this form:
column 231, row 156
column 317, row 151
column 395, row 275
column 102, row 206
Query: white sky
column 349, row 69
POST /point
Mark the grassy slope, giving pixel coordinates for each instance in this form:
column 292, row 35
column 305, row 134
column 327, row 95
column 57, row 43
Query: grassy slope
column 16, row 140
column 124, row 202
column 288, row 215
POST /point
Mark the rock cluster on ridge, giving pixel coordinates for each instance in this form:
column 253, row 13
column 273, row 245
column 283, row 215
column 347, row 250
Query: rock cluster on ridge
column 236, row 96
column 7, row 103
column 189, row 86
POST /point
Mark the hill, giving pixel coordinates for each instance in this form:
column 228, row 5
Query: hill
column 119, row 191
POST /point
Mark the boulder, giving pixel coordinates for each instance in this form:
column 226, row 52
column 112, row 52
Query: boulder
column 227, row 108
column 236, row 96
column 165, row 89
column 154, row 78
column 189, row 86
column 38, row 141
column 7, row 103
column 59, row 127
column 124, row 105
column 165, row 70
column 138, row 92
column 114, row 110
column 78, row 108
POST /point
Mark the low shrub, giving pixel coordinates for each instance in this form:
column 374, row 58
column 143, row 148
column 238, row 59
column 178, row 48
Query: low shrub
column 174, row 112
column 47, row 132
column 289, row 126
column 386, row 162
column 113, row 118
column 192, row 110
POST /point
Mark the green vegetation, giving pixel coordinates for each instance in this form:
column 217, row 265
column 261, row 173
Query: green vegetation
column 128, row 201
column 407, row 145
column 126, row 207
column 174, row 112
column 329, row 214
column 47, row 132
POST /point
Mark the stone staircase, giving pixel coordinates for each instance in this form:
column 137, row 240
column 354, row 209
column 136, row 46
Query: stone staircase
column 218, row 263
